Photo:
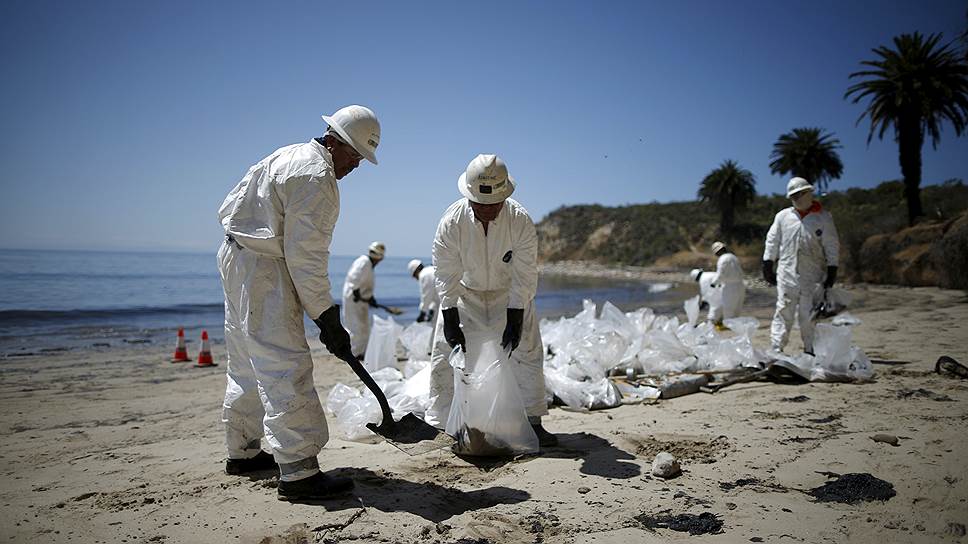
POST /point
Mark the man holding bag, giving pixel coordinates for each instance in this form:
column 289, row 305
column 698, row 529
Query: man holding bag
column 485, row 253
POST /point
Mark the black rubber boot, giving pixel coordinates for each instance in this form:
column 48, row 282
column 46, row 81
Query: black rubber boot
column 317, row 486
column 262, row 461
column 545, row 439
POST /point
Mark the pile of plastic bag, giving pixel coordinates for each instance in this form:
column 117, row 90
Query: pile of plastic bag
column 588, row 347
column 581, row 352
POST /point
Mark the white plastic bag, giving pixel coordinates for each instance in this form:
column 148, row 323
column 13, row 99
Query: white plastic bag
column 691, row 305
column 381, row 348
column 352, row 418
column 582, row 395
column 744, row 326
column 836, row 359
column 487, row 416
column 416, row 339
column 338, row 395
column 845, row 319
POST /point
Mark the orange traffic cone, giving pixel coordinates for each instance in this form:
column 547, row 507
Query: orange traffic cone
column 181, row 354
column 205, row 355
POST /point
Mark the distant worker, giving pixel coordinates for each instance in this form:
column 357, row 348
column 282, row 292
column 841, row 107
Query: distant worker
column 429, row 300
column 278, row 225
column 358, row 297
column 804, row 240
column 729, row 275
column 485, row 252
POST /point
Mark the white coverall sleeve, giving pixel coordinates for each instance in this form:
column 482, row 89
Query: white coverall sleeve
column 831, row 242
column 772, row 250
column 446, row 257
column 311, row 208
column 524, row 264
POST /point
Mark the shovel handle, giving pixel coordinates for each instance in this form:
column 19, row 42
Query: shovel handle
column 390, row 309
column 373, row 387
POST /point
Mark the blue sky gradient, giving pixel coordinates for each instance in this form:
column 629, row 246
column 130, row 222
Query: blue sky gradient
column 126, row 123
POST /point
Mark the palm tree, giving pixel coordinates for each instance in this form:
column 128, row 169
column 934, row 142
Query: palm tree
column 728, row 188
column 808, row 153
column 914, row 87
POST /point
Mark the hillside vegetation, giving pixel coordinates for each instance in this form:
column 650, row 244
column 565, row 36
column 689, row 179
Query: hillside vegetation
column 678, row 234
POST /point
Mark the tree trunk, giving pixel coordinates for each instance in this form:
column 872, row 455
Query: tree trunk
column 910, row 139
column 726, row 221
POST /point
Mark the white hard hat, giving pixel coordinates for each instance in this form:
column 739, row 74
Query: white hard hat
column 378, row 250
column 486, row 180
column 798, row 185
column 359, row 127
column 413, row 265
column 718, row 246
column 695, row 273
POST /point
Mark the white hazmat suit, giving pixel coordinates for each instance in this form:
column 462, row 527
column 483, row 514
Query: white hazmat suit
column 729, row 277
column 804, row 245
column 356, row 315
column 429, row 300
column 279, row 223
column 482, row 276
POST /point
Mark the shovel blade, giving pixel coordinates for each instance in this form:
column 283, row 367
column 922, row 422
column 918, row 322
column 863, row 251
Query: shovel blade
column 412, row 435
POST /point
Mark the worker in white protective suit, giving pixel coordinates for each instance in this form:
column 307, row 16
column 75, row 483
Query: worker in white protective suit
column 803, row 239
column 429, row 300
column 358, row 297
column 729, row 277
column 485, row 252
column 278, row 225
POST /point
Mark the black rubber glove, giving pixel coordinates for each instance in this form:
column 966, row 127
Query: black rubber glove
column 372, row 302
column 768, row 274
column 356, row 295
column 831, row 277
column 421, row 317
column 332, row 334
column 512, row 331
column 452, row 332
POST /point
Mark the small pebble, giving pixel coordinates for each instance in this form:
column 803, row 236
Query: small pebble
column 583, row 490
column 886, row 438
column 665, row 466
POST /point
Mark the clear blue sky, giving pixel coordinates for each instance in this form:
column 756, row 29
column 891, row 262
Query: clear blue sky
column 126, row 123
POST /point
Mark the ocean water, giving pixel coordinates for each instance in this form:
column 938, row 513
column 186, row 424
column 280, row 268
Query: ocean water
column 52, row 300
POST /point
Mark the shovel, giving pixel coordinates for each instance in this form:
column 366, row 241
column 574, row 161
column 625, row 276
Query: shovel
column 411, row 434
column 392, row 310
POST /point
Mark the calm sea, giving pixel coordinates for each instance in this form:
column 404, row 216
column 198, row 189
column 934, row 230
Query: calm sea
column 53, row 300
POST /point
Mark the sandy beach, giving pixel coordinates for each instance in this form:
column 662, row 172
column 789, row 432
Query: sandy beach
column 120, row 445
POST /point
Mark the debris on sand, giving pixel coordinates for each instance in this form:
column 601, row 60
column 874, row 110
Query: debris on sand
column 665, row 466
column 798, row 398
column 921, row 393
column 886, row 438
column 828, row 419
column 759, row 485
column 853, row 488
column 702, row 524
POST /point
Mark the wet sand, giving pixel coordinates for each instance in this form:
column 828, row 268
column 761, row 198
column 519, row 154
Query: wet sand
column 117, row 444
